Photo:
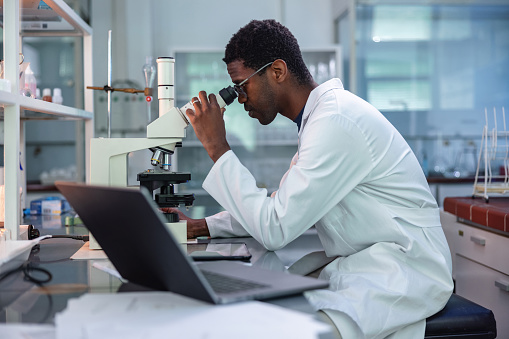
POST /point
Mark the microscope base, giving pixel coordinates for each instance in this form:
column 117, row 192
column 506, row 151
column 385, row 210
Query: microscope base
column 178, row 230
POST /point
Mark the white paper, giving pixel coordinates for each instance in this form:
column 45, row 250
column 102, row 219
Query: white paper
column 27, row 331
column 107, row 266
column 164, row 314
column 85, row 253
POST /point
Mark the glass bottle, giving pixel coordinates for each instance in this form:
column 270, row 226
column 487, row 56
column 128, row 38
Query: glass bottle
column 46, row 95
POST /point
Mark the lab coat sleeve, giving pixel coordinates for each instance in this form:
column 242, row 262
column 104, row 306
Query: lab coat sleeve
column 333, row 158
column 223, row 225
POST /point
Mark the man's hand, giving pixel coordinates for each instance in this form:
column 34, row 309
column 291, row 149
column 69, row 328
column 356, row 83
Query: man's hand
column 195, row 227
column 208, row 124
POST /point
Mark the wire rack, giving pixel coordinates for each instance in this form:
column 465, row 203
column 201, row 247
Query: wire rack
column 494, row 152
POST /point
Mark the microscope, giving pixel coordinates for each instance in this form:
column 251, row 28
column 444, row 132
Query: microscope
column 109, row 156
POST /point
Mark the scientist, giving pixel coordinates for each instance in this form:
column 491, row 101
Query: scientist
column 354, row 178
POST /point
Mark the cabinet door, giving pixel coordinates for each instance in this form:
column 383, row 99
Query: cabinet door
column 486, row 287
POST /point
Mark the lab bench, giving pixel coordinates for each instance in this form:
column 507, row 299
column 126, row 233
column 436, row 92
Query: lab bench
column 24, row 302
column 478, row 236
column 17, row 108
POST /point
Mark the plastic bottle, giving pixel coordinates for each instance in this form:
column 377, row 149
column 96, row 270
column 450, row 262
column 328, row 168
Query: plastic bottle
column 46, row 95
column 57, row 96
column 38, row 93
column 30, row 81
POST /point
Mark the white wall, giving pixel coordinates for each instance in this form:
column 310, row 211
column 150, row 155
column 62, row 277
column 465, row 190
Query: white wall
column 157, row 27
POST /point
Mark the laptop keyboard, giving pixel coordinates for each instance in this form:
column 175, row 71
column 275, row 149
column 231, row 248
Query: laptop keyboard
column 224, row 284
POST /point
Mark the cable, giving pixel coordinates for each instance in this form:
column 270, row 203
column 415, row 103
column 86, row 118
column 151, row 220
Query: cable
column 84, row 238
column 27, row 270
column 34, row 233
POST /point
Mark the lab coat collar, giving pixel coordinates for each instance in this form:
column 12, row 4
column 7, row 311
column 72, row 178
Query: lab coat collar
column 315, row 95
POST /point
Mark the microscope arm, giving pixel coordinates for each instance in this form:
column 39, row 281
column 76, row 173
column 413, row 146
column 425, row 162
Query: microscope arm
column 108, row 157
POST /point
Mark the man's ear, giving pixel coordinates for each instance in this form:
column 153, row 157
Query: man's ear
column 279, row 70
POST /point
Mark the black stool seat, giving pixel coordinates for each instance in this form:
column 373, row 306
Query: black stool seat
column 461, row 318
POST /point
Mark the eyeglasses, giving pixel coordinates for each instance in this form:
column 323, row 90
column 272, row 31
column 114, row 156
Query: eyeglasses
column 240, row 86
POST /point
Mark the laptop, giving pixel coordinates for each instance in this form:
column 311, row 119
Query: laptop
column 127, row 224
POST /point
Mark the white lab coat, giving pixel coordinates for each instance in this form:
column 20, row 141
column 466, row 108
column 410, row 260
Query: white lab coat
column 356, row 179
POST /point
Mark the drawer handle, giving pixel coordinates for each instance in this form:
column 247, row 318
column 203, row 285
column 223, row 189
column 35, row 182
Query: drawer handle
column 502, row 284
column 478, row 241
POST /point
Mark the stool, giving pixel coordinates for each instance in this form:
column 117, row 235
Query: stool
column 461, row 318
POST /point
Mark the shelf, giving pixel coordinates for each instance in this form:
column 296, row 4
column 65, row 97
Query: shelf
column 53, row 109
column 7, row 98
column 38, row 109
column 59, row 21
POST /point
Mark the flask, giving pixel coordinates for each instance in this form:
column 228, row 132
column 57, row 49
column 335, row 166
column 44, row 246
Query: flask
column 46, row 95
column 57, row 96
column 149, row 71
column 30, row 82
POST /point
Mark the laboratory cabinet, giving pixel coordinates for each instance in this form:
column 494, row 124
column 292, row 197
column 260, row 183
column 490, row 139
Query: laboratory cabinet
column 55, row 19
column 486, row 287
column 480, row 265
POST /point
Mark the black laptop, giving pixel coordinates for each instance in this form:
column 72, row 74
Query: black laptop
column 131, row 231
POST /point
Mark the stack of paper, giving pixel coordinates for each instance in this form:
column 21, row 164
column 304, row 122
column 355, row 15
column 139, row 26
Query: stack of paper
column 150, row 315
column 27, row 331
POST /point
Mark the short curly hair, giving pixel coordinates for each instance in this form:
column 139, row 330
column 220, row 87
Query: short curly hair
column 263, row 41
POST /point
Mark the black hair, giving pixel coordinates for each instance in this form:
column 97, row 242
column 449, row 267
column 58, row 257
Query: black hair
column 261, row 42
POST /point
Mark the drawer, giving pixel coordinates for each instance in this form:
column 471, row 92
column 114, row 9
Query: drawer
column 486, row 287
column 485, row 247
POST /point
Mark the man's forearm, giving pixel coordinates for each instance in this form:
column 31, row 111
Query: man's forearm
column 197, row 228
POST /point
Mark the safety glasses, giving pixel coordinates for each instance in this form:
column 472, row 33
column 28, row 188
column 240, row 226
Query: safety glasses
column 239, row 88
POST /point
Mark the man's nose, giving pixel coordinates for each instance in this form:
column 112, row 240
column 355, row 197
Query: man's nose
column 242, row 98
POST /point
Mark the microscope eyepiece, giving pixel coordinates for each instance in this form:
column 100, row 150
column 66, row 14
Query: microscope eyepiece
column 228, row 94
column 225, row 97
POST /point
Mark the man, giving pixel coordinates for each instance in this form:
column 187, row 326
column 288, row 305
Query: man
column 354, row 178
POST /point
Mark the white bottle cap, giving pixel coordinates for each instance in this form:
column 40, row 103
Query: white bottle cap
column 46, row 92
column 57, row 96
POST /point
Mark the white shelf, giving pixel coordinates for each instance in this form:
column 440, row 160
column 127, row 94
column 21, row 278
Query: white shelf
column 47, row 109
column 15, row 108
column 60, row 20
column 7, row 98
